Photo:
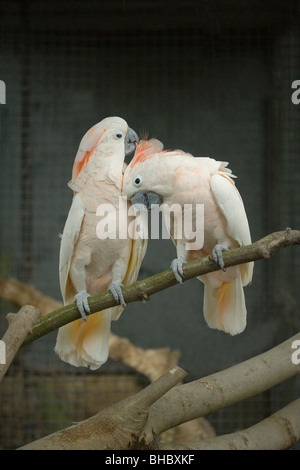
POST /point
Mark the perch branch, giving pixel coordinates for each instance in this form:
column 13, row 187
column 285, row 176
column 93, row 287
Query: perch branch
column 19, row 325
column 150, row 362
column 142, row 290
column 279, row 431
column 211, row 393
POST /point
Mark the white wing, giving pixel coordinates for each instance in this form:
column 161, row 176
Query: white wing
column 68, row 241
column 231, row 205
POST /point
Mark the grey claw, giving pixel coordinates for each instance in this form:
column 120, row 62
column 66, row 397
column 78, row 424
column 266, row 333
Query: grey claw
column 115, row 288
column 81, row 299
column 176, row 267
column 218, row 257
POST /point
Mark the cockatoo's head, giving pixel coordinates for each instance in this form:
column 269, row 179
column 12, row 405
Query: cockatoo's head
column 146, row 180
column 109, row 138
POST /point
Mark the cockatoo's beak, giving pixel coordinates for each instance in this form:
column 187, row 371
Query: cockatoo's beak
column 131, row 139
column 143, row 200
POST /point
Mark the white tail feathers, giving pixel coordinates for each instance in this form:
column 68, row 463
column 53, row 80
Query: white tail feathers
column 85, row 343
column 224, row 306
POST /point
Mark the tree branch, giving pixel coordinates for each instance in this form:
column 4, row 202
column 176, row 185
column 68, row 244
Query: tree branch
column 150, row 362
column 118, row 427
column 19, row 325
column 136, row 422
column 225, row 388
column 142, row 290
column 19, row 293
column 279, row 431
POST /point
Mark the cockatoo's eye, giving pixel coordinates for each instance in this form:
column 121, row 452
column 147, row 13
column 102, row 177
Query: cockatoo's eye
column 119, row 135
column 138, row 181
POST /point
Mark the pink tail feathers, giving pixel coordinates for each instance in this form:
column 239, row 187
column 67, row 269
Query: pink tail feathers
column 224, row 306
column 85, row 343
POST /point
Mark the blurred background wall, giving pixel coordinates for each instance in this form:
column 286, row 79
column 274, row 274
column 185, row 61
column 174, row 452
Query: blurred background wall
column 211, row 77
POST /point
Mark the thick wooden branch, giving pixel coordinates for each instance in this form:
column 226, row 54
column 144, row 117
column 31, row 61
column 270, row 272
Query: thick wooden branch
column 19, row 325
column 118, row 427
column 136, row 422
column 211, row 393
column 279, row 431
column 142, row 290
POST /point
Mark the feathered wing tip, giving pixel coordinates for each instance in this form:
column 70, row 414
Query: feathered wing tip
column 224, row 306
column 226, row 171
column 85, row 343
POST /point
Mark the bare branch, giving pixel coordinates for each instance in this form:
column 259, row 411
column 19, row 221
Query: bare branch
column 136, row 422
column 18, row 293
column 150, row 362
column 142, row 290
column 279, row 431
column 211, row 393
column 19, row 325
column 117, row 427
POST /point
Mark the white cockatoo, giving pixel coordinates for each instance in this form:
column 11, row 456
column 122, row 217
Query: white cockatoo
column 90, row 264
column 178, row 179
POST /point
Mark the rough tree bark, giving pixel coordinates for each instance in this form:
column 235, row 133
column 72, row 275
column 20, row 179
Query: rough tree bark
column 19, row 325
column 120, row 424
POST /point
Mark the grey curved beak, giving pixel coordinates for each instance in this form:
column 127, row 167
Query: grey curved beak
column 131, row 139
column 144, row 200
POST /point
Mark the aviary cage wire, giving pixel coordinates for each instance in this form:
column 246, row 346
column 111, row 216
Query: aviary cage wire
column 210, row 77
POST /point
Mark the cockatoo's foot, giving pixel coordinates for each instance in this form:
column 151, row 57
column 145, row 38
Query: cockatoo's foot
column 115, row 288
column 218, row 257
column 176, row 267
column 81, row 299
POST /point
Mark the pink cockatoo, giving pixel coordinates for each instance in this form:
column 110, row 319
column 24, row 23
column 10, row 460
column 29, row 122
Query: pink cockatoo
column 89, row 265
column 175, row 178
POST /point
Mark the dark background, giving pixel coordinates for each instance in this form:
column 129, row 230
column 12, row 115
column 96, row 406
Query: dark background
column 211, row 77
